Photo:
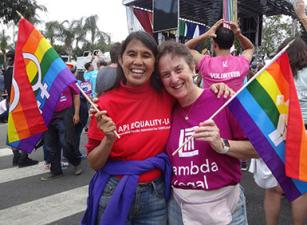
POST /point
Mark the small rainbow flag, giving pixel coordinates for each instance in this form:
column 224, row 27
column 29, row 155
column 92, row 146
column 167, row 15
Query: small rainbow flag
column 268, row 111
column 230, row 10
column 39, row 78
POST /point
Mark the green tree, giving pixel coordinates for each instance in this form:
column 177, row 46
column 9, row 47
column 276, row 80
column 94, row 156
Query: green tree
column 4, row 45
column 52, row 30
column 28, row 8
column 275, row 30
column 91, row 26
column 80, row 32
column 67, row 36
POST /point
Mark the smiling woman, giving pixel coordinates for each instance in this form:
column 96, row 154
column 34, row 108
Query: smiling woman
column 139, row 107
column 204, row 174
column 137, row 63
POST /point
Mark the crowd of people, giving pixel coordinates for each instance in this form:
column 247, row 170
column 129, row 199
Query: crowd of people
column 148, row 95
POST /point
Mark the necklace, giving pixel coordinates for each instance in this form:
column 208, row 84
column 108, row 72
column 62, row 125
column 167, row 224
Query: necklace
column 187, row 111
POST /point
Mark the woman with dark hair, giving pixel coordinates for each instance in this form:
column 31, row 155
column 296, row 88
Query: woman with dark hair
column 131, row 183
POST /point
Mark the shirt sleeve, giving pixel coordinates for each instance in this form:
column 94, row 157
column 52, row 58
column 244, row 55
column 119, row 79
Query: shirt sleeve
column 74, row 89
column 203, row 65
column 244, row 65
column 86, row 76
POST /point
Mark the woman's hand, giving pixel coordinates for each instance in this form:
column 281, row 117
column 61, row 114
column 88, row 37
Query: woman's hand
column 222, row 89
column 209, row 132
column 106, row 124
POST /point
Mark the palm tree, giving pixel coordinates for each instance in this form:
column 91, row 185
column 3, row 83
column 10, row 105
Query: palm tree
column 80, row 32
column 91, row 26
column 52, row 29
column 4, row 45
column 67, row 35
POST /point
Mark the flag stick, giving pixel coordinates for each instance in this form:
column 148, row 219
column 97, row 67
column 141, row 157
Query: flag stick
column 19, row 14
column 244, row 86
column 94, row 105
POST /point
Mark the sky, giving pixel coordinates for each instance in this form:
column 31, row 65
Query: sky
column 111, row 13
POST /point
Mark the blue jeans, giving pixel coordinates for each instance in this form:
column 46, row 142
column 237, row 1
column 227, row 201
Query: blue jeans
column 148, row 208
column 239, row 216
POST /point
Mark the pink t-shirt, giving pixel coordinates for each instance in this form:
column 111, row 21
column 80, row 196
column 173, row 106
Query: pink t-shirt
column 228, row 69
column 198, row 166
column 65, row 100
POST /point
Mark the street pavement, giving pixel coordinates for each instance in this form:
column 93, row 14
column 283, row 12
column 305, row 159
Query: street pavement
column 25, row 200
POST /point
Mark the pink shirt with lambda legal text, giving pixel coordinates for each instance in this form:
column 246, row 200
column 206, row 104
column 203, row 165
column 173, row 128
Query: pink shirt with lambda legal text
column 198, row 166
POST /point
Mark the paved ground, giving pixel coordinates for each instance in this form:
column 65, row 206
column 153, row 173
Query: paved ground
column 24, row 199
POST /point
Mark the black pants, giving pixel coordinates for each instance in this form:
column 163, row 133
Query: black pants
column 54, row 141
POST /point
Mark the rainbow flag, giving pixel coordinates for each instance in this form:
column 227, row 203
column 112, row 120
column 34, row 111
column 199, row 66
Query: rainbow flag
column 230, row 10
column 268, row 111
column 39, row 78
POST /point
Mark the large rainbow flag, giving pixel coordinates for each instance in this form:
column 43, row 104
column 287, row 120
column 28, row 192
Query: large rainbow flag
column 268, row 111
column 39, row 78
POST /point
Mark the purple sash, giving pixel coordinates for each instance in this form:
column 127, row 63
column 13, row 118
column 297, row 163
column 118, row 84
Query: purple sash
column 118, row 207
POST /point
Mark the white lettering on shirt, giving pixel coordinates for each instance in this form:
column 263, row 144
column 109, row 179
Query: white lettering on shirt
column 194, row 169
column 188, row 149
column 225, row 76
column 144, row 126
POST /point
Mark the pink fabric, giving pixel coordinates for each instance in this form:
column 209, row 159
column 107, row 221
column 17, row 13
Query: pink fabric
column 228, row 69
column 198, row 166
column 65, row 100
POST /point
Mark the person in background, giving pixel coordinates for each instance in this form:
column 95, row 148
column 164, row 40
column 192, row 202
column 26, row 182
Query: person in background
column 106, row 77
column 90, row 76
column 101, row 64
column 223, row 67
column 83, row 110
column 60, row 134
column 210, row 193
column 20, row 158
column 299, row 8
column 3, row 111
